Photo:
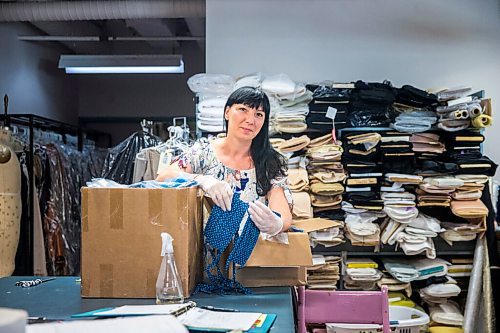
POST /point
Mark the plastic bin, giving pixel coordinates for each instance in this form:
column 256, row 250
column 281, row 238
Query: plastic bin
column 402, row 320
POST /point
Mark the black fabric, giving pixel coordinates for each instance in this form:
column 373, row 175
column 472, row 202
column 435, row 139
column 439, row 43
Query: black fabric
column 331, row 94
column 490, row 228
column 427, row 282
column 410, row 95
column 361, row 197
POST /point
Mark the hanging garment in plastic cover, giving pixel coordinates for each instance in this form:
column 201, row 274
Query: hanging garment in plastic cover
column 67, row 169
column 119, row 164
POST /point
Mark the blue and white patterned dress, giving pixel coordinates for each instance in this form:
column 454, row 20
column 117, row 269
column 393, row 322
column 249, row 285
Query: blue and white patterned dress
column 203, row 160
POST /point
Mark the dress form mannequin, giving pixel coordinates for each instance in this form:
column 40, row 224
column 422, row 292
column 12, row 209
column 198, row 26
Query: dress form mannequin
column 10, row 204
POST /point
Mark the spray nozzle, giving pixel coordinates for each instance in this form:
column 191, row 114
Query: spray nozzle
column 166, row 244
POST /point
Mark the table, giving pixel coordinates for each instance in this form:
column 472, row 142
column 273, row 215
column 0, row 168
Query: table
column 60, row 298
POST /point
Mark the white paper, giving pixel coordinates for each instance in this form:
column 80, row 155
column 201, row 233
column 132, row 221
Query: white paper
column 201, row 318
column 150, row 324
column 318, row 259
column 129, row 310
column 331, row 113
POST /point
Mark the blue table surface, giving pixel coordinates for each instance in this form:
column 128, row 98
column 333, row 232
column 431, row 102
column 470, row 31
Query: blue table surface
column 60, row 298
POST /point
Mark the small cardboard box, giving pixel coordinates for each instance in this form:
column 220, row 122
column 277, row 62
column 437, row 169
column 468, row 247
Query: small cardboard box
column 268, row 253
column 276, row 264
column 121, row 243
column 271, row 276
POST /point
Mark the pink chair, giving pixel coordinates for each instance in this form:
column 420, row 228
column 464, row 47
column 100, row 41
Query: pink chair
column 350, row 307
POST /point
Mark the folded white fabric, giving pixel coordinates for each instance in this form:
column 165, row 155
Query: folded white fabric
column 211, row 83
column 401, row 214
column 419, row 232
column 362, row 228
column 395, row 285
column 426, row 222
column 209, row 128
column 440, row 292
column 400, row 270
column 414, row 244
column 349, row 208
column 446, row 182
column 436, row 189
column 403, row 178
column 447, row 313
column 250, row 80
column 387, row 196
column 429, row 267
column 364, row 274
column 278, row 84
column 480, row 179
column 395, row 187
column 457, row 232
column 390, row 231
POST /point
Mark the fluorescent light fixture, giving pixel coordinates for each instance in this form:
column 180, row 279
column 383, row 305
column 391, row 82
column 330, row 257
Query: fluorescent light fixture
column 115, row 64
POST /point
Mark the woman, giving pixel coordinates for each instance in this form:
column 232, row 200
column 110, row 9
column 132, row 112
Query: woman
column 244, row 161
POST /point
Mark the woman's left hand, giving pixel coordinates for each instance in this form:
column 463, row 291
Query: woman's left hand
column 265, row 219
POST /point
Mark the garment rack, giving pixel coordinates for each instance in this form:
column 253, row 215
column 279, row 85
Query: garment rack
column 32, row 122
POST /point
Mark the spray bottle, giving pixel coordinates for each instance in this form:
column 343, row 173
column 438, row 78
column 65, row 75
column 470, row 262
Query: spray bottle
column 168, row 287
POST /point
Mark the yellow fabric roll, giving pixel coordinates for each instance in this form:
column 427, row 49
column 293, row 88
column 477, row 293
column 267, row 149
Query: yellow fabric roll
column 445, row 329
column 482, row 121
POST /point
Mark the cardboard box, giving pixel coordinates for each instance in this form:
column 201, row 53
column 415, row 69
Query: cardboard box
column 277, row 264
column 271, row 276
column 121, row 243
column 273, row 254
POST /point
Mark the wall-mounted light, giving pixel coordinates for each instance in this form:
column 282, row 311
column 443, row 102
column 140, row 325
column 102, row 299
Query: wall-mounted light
column 116, row 64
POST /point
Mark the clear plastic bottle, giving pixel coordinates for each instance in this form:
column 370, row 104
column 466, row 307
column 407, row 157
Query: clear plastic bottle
column 168, row 286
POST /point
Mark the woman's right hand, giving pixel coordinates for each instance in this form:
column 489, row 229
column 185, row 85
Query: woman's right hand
column 220, row 191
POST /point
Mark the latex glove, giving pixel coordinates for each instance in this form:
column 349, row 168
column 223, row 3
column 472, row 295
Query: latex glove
column 220, row 192
column 265, row 219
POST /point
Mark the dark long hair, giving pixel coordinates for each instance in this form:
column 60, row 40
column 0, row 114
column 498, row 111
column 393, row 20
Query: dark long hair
column 269, row 164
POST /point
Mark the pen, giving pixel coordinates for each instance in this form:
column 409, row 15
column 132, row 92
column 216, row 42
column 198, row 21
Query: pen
column 213, row 308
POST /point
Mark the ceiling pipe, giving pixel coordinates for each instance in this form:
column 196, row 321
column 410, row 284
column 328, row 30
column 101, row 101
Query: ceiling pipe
column 109, row 39
column 99, row 10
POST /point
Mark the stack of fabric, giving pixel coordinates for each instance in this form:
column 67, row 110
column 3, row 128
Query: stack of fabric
column 399, row 275
column 436, row 191
column 335, row 96
column 212, row 91
column 289, row 116
column 428, row 150
column 325, row 183
column 360, row 160
column 371, row 104
column 361, row 274
column 298, row 180
column 457, row 111
column 329, row 237
column 436, row 287
column 418, row 234
column 298, row 183
column 325, row 272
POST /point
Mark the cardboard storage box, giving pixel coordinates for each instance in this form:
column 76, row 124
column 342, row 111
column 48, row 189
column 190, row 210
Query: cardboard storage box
column 277, row 264
column 121, row 243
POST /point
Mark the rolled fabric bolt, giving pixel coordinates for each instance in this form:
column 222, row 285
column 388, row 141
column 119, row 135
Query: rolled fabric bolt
column 482, row 121
column 474, row 110
column 457, row 114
